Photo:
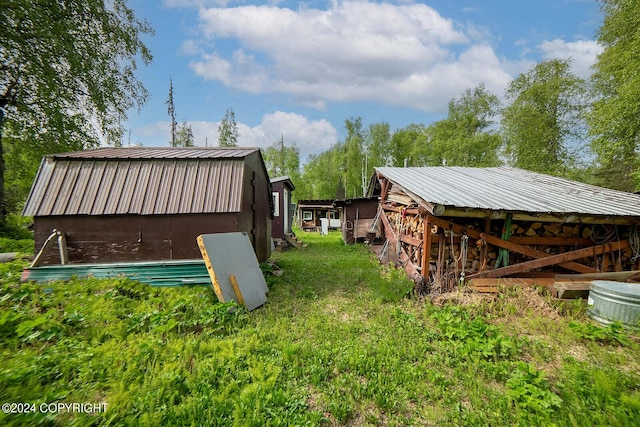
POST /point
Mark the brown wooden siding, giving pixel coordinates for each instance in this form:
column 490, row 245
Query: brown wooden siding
column 127, row 238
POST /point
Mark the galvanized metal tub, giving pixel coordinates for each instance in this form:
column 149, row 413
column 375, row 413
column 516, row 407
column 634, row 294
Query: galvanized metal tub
column 611, row 302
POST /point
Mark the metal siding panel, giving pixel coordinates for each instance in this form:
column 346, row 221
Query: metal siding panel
column 177, row 188
column 211, row 195
column 235, row 199
column 200, row 190
column 79, row 189
column 140, row 189
column 67, row 189
column 117, row 193
column 53, row 189
column 166, row 178
column 189, row 183
column 39, row 188
column 91, row 190
column 96, row 182
column 104, row 192
column 224, row 187
column 128, row 188
column 151, row 190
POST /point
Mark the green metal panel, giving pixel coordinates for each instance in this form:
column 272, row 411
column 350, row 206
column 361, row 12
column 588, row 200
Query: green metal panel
column 154, row 273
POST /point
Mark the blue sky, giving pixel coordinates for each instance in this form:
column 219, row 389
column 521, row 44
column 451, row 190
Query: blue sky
column 299, row 69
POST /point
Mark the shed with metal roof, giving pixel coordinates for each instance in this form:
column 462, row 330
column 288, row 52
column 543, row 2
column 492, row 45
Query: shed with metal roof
column 140, row 204
column 283, row 207
column 447, row 223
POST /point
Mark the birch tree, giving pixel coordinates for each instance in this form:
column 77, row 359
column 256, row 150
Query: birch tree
column 67, row 75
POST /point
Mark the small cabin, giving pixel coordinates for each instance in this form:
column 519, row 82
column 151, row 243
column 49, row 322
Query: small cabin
column 360, row 219
column 310, row 212
column 283, row 207
column 144, row 204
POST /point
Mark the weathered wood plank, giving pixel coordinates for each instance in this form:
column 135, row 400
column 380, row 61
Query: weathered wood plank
column 572, row 290
column 494, row 285
column 620, row 276
column 551, row 241
column 557, row 259
column 411, row 240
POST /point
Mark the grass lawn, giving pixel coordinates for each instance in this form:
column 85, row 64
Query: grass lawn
column 341, row 341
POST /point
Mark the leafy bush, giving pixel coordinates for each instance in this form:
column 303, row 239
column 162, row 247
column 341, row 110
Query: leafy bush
column 529, row 388
column 611, row 334
column 17, row 227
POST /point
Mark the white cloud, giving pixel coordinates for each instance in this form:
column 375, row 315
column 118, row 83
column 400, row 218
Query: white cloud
column 583, row 53
column 194, row 3
column 310, row 136
column 405, row 54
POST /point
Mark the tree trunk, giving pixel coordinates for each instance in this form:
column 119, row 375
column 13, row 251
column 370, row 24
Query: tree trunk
column 3, row 204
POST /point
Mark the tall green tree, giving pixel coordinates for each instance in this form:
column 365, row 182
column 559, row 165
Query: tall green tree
column 543, row 124
column 377, row 150
column 282, row 160
column 184, row 136
column 67, row 75
column 466, row 137
column 322, row 175
column 171, row 110
column 353, row 158
column 613, row 119
column 410, row 144
column 228, row 130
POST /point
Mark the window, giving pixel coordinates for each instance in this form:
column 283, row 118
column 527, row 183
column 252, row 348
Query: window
column 307, row 215
column 276, row 204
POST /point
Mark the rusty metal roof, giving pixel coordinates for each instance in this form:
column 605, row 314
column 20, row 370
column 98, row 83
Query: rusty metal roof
column 145, row 181
column 509, row 189
column 159, row 153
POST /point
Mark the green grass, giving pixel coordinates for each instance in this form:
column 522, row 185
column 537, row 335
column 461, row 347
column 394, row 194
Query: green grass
column 341, row 341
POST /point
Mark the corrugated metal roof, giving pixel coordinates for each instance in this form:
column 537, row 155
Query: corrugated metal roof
column 285, row 179
column 159, row 153
column 510, row 189
column 104, row 185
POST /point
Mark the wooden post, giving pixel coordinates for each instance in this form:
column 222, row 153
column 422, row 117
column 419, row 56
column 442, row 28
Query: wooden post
column 386, row 185
column 426, row 246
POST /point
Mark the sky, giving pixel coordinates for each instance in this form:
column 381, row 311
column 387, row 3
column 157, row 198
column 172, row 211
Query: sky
column 298, row 70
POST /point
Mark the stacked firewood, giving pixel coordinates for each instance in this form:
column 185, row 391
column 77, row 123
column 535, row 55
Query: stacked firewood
column 549, row 237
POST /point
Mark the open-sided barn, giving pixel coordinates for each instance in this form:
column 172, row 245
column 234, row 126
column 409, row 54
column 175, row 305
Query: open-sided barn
column 447, row 223
column 140, row 204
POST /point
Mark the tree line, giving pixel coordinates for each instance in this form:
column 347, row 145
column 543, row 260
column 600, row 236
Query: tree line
column 68, row 80
column 547, row 125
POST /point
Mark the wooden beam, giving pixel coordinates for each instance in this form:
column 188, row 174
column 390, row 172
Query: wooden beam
column 538, row 217
column 619, row 276
column 551, row 241
column 385, row 186
column 411, row 240
column 572, row 290
column 524, row 250
column 426, row 246
column 557, row 259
